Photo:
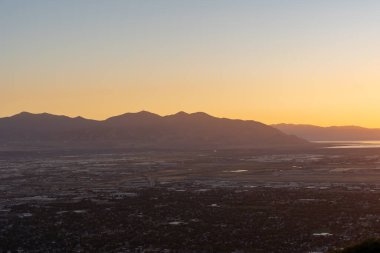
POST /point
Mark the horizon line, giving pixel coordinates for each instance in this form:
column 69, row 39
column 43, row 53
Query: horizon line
column 187, row 113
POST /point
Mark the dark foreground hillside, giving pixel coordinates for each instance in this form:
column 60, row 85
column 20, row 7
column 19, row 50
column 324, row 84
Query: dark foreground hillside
column 368, row 246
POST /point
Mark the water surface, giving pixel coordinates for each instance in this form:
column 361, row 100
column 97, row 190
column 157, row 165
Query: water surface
column 351, row 144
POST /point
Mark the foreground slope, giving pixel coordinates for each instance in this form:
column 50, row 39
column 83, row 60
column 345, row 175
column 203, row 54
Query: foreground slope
column 141, row 130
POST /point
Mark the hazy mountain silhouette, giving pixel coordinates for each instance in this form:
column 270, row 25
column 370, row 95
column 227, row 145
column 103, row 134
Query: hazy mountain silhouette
column 333, row 133
column 141, row 130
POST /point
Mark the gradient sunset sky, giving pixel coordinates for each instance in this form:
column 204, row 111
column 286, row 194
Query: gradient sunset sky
column 292, row 61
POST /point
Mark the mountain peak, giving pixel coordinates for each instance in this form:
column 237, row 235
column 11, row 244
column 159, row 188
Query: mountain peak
column 142, row 116
column 27, row 115
column 145, row 113
column 178, row 115
column 22, row 114
column 201, row 114
column 193, row 115
column 181, row 113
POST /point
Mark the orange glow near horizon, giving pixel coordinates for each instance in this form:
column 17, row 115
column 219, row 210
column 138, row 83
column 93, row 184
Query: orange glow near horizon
column 269, row 61
column 278, row 104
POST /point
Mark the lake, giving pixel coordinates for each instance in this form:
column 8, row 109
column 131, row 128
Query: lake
column 350, row 144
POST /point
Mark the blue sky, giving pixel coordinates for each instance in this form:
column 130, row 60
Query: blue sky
column 241, row 59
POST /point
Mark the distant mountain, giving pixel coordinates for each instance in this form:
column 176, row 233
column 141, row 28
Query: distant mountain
column 333, row 133
column 140, row 130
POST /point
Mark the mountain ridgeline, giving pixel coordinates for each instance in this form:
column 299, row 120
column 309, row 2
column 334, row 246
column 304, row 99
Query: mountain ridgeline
column 333, row 133
column 140, row 130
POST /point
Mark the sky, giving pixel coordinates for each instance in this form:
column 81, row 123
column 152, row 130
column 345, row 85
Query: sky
column 274, row 61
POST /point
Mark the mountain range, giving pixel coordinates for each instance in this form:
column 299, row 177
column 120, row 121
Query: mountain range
column 332, row 133
column 140, row 130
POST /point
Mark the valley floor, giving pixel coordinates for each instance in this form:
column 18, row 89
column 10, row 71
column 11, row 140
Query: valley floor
column 194, row 201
